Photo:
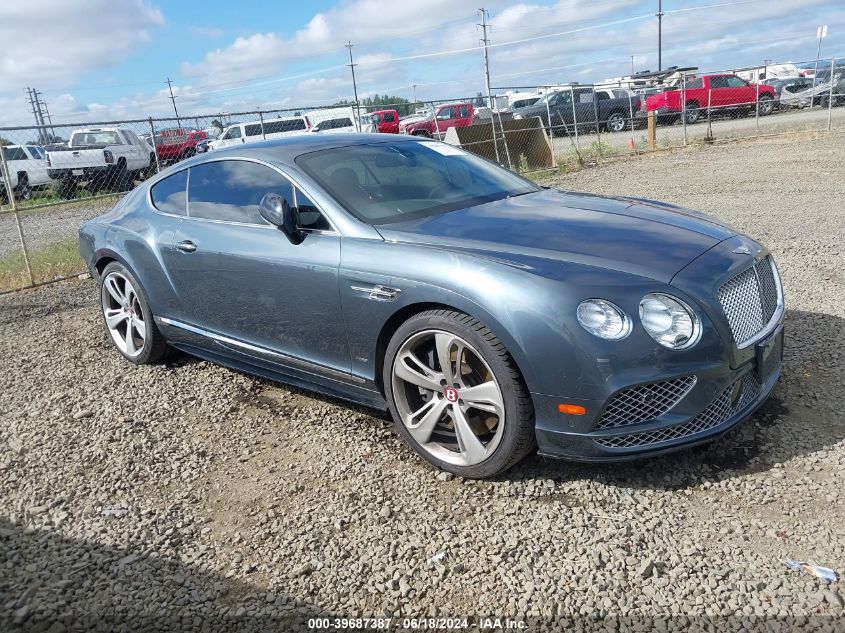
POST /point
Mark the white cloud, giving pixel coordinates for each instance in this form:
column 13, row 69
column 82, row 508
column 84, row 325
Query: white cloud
column 51, row 43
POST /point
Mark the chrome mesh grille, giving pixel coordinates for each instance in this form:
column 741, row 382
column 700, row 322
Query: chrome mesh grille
column 750, row 300
column 644, row 402
column 720, row 411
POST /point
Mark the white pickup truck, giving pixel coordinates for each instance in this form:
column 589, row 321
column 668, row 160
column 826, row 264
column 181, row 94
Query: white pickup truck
column 27, row 169
column 105, row 158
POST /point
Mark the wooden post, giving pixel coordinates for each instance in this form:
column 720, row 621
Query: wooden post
column 652, row 130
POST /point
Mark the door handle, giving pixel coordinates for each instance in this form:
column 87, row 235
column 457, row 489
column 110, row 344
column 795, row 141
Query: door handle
column 186, row 246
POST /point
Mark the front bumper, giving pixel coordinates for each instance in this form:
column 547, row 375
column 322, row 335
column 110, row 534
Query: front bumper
column 718, row 402
column 638, row 404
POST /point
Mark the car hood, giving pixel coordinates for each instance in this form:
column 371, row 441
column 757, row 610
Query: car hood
column 537, row 109
column 633, row 235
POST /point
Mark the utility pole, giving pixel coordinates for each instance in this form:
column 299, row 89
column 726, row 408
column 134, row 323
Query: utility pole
column 352, row 65
column 485, row 42
column 632, row 65
column 415, row 96
column 49, row 120
column 821, row 33
column 36, row 112
column 173, row 99
column 659, row 35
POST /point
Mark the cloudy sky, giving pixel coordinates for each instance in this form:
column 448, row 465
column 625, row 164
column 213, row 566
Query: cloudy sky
column 107, row 59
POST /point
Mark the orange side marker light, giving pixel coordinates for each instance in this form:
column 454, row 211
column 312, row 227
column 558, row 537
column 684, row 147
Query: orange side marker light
column 571, row 409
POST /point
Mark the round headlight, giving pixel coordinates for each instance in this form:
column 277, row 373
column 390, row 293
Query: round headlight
column 603, row 319
column 669, row 321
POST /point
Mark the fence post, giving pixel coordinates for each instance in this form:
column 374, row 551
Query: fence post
column 495, row 141
column 757, row 107
column 709, row 123
column 549, row 119
column 596, row 117
column 505, row 139
column 10, row 193
column 436, row 132
column 830, row 95
column 574, row 117
column 631, row 111
column 153, row 143
column 684, row 105
column 261, row 120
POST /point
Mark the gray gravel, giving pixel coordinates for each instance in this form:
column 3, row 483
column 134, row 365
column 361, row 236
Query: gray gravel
column 189, row 497
column 48, row 225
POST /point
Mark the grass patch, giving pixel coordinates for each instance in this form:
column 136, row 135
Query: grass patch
column 57, row 260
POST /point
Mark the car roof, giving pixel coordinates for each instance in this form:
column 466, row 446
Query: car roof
column 285, row 150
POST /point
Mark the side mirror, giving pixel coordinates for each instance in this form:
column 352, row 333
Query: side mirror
column 276, row 210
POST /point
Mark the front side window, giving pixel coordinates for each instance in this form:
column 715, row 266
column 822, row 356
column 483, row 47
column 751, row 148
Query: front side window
column 168, row 195
column 234, row 132
column 464, row 112
column 389, row 118
column 736, row 82
column 718, row 82
column 381, row 183
column 230, row 190
column 695, row 83
column 446, row 113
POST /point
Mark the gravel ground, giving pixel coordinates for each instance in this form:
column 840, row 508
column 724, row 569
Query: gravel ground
column 189, row 497
column 42, row 227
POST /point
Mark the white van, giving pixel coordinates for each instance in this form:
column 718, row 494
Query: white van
column 250, row 132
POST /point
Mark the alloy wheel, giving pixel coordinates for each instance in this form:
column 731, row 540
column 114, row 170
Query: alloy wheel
column 448, row 398
column 616, row 122
column 123, row 314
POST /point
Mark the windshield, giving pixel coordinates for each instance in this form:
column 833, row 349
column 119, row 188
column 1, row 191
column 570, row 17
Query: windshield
column 393, row 182
column 94, row 138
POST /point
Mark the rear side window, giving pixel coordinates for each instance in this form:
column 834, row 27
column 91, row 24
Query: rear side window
column 388, row 117
column 464, row 112
column 230, row 190
column 277, row 127
column 169, row 194
column 15, row 153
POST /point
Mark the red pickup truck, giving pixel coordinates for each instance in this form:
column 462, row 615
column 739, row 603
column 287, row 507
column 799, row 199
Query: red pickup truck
column 720, row 93
column 176, row 143
column 436, row 123
column 386, row 121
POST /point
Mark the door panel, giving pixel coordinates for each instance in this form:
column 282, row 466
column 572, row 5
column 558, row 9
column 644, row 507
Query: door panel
column 250, row 283
column 245, row 280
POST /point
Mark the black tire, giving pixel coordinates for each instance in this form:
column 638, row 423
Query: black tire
column 692, row 112
column 155, row 347
column 122, row 178
column 615, row 122
column 66, row 189
column 424, row 133
column 766, row 105
column 24, row 191
column 518, row 439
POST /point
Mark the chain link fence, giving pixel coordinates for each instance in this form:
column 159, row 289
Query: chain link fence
column 56, row 177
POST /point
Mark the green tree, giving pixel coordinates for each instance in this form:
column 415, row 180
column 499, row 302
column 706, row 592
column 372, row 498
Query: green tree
column 4, row 141
column 479, row 100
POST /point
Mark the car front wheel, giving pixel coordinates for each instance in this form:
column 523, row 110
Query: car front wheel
column 127, row 316
column 456, row 395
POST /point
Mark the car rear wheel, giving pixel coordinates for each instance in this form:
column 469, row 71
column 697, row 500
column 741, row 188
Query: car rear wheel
column 693, row 113
column 456, row 395
column 766, row 106
column 615, row 122
column 127, row 316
